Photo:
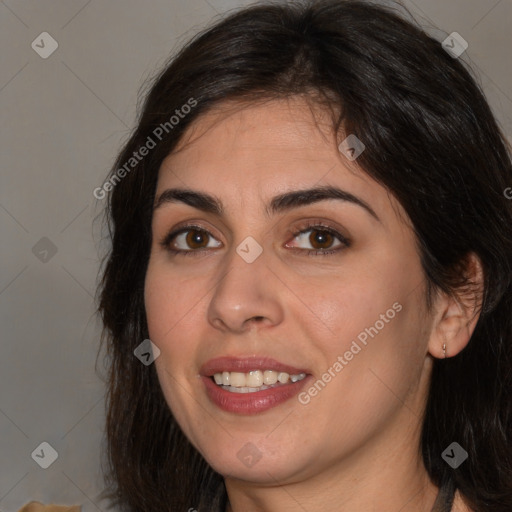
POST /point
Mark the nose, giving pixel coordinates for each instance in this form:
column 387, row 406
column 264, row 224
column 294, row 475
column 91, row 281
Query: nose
column 248, row 294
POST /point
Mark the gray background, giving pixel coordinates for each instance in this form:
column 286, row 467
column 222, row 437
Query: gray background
column 63, row 121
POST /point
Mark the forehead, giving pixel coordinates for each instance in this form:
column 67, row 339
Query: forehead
column 280, row 127
column 248, row 153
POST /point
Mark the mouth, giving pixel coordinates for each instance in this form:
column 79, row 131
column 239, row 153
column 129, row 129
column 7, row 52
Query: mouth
column 251, row 385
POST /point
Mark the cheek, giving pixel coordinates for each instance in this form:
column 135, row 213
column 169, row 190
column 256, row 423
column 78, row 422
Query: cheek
column 160, row 306
column 172, row 302
column 369, row 369
column 369, row 316
column 350, row 304
column 170, row 314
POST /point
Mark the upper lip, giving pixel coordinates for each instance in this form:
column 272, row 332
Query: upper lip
column 246, row 364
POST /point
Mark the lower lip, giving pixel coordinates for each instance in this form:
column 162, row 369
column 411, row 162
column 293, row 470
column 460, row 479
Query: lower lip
column 252, row 403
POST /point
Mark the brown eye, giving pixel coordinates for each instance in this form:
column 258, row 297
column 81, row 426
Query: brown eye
column 318, row 240
column 189, row 239
column 321, row 239
column 196, row 239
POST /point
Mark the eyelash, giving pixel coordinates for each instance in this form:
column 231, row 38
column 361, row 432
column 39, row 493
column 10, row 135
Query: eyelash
column 309, row 226
column 323, row 228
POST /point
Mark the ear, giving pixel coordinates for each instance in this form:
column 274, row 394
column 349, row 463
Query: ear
column 456, row 317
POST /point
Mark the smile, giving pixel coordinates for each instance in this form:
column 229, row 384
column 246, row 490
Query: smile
column 251, row 385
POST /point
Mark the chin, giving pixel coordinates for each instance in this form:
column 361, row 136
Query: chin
column 252, row 464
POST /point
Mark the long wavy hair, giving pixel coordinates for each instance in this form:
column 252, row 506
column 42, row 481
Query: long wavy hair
column 431, row 140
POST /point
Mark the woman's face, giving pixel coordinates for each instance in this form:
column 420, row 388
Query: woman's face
column 293, row 261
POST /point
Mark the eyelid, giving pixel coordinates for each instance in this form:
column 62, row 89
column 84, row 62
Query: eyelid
column 320, row 226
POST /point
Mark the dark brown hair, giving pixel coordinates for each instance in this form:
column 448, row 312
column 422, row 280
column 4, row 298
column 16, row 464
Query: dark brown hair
column 430, row 139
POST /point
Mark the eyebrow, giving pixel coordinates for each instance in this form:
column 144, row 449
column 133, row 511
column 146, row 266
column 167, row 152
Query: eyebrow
column 281, row 203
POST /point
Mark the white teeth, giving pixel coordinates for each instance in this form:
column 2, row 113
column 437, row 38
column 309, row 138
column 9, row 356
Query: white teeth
column 269, row 377
column 237, row 380
column 255, row 380
column 283, row 377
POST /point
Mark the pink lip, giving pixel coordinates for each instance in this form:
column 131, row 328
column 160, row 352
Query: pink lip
column 250, row 403
column 246, row 364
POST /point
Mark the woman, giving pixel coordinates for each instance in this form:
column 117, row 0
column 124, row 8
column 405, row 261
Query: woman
column 309, row 224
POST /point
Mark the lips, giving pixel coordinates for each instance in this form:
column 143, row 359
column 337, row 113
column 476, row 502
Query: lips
column 256, row 401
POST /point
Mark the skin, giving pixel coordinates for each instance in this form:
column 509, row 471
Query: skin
column 354, row 446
